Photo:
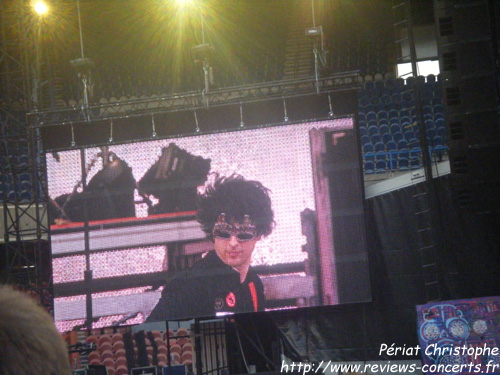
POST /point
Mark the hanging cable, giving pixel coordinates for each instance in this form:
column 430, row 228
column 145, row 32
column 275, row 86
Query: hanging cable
column 196, row 120
column 242, row 124
column 241, row 348
column 72, row 136
column 285, row 118
column 153, row 134
column 330, row 114
column 110, row 132
column 259, row 350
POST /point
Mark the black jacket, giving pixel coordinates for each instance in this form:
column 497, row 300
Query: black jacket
column 208, row 288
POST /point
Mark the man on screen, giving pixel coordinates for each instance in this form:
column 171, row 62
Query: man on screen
column 234, row 213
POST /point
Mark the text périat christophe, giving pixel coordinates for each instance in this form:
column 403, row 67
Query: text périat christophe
column 434, row 350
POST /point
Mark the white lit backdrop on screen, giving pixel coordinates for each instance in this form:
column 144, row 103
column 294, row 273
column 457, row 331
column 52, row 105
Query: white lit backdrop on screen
column 279, row 157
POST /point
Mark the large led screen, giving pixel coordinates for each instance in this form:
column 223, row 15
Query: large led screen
column 126, row 231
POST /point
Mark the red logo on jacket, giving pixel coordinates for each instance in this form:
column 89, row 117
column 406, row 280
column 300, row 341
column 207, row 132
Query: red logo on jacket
column 231, row 299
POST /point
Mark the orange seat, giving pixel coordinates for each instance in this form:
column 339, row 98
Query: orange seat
column 93, row 355
column 156, row 334
column 186, row 355
column 183, row 340
column 176, row 358
column 116, row 337
column 182, row 332
column 163, row 349
column 176, row 348
column 95, row 361
column 170, row 334
column 106, row 354
column 187, row 346
column 121, row 360
column 108, row 362
column 106, row 345
column 162, row 357
column 121, row 370
column 118, row 345
column 93, row 339
column 104, row 338
column 120, row 353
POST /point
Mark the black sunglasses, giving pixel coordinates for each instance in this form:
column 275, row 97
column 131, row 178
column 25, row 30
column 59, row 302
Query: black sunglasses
column 243, row 232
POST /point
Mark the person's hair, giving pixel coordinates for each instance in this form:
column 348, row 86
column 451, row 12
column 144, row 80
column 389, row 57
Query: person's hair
column 236, row 197
column 29, row 340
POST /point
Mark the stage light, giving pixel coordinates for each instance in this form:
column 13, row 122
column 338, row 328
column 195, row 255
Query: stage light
column 186, row 3
column 40, row 7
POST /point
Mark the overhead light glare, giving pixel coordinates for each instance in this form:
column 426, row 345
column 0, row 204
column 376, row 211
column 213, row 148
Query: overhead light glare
column 40, row 7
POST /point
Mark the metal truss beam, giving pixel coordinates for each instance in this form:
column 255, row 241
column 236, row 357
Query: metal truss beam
column 193, row 100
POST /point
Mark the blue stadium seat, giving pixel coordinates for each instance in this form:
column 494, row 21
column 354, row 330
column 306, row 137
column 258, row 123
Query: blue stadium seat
column 372, row 129
column 437, row 100
column 367, row 147
column 375, row 138
column 393, row 113
column 403, row 163
column 362, row 130
column 395, row 127
column 394, row 121
column 369, row 163
column 369, row 85
column 408, row 135
column 390, row 83
column 365, row 139
column 383, row 122
column 402, row 145
column 431, row 133
column 374, row 100
column 397, row 136
column 379, row 147
column 380, row 166
column 429, row 124
column 383, row 129
column 437, row 141
column 399, row 84
column 391, row 145
column 392, row 162
column 413, row 143
column 415, row 159
column 386, row 137
column 440, row 122
column 437, row 108
column 382, row 115
column 441, row 131
column 371, row 115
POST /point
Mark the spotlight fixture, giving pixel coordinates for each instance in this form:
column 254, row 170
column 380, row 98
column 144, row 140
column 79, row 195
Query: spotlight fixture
column 82, row 64
column 314, row 32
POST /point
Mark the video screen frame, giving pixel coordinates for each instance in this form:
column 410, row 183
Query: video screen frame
column 291, row 279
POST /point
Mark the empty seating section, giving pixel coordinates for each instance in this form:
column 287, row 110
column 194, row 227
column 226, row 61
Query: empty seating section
column 15, row 174
column 122, row 351
column 388, row 123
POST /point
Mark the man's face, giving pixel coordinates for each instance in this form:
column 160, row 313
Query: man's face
column 235, row 253
column 235, row 242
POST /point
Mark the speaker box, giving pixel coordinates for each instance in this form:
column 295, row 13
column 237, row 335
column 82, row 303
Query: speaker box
column 473, row 128
column 462, row 21
column 476, row 164
column 466, row 60
column 473, row 94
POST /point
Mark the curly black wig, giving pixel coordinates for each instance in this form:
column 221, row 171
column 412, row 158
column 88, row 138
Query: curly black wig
column 236, row 197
